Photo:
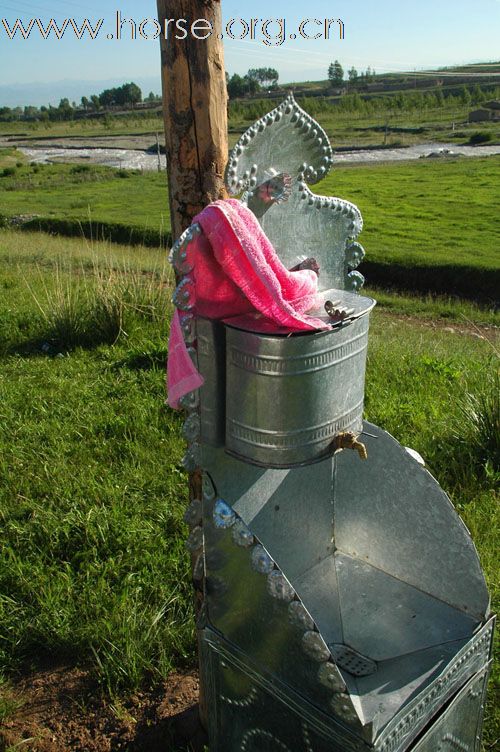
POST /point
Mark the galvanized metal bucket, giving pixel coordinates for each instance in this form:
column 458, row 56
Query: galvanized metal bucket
column 288, row 397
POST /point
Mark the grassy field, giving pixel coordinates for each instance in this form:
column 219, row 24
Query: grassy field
column 427, row 223
column 345, row 128
column 92, row 565
column 415, row 237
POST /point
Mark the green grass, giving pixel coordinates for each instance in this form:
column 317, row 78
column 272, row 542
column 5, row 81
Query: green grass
column 427, row 225
column 436, row 309
column 73, row 194
column 345, row 128
column 430, row 225
column 92, row 563
column 131, row 124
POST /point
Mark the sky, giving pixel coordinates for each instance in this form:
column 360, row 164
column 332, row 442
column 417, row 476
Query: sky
column 387, row 36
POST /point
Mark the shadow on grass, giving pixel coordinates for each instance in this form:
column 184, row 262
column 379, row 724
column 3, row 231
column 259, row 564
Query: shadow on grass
column 144, row 361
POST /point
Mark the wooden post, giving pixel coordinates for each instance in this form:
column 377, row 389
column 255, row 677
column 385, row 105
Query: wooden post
column 195, row 114
column 194, row 107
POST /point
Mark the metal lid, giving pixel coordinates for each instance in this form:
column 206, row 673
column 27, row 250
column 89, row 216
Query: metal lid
column 356, row 305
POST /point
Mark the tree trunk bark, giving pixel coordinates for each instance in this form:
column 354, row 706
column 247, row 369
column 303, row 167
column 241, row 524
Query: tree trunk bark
column 194, row 107
column 195, row 114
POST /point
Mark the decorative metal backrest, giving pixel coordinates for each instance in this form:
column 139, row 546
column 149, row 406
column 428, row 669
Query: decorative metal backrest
column 271, row 165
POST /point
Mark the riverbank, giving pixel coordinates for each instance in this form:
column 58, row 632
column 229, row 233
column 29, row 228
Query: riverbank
column 141, row 153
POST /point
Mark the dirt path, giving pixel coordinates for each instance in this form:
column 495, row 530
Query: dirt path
column 487, row 332
column 60, row 710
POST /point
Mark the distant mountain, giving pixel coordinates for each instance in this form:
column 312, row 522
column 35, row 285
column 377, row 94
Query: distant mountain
column 37, row 94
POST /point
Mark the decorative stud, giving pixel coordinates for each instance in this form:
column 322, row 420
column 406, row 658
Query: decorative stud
column 223, row 515
column 242, row 535
column 191, row 428
column 195, row 539
column 315, row 646
column 279, row 587
column 261, row 561
column 180, row 260
column 355, row 254
column 207, row 488
column 192, row 459
column 184, row 295
column 190, row 401
column 193, row 514
column 329, row 676
column 343, row 708
column 354, row 281
column 299, row 617
column 199, row 569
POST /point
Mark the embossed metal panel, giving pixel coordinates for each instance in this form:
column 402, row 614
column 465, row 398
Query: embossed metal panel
column 458, row 729
column 290, row 141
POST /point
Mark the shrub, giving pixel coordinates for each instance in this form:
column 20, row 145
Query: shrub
column 101, row 305
column 8, row 172
column 80, row 168
column 480, row 137
column 475, row 449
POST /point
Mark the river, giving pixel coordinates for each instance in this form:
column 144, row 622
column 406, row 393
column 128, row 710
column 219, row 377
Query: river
column 136, row 159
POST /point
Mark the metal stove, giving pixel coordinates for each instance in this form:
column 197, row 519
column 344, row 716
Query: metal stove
column 344, row 604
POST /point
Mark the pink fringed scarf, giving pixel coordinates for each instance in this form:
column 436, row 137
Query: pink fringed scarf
column 237, row 270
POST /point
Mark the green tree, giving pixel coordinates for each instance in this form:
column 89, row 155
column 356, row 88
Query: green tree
column 352, row 75
column 465, row 96
column 236, row 86
column 65, row 109
column 336, row 74
column 130, row 94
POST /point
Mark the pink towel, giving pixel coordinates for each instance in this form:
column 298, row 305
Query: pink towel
column 182, row 376
column 236, row 271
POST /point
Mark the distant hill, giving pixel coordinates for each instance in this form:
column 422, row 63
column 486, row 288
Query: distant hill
column 38, row 94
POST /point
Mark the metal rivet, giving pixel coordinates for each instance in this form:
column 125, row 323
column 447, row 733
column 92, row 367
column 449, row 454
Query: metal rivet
column 223, row 515
column 330, row 677
column 242, row 536
column 279, row 587
column 195, row 539
column 315, row 646
column 192, row 515
column 261, row 561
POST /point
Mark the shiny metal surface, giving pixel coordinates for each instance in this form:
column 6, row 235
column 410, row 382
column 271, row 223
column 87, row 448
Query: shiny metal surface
column 211, row 337
column 415, row 648
column 459, row 727
column 288, row 397
column 288, row 140
column 249, row 698
column 344, row 605
column 392, row 514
